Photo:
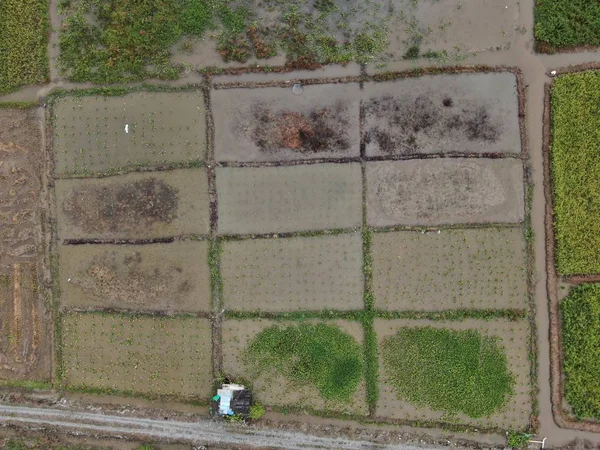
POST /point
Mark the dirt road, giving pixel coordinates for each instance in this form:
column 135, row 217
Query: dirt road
column 204, row 432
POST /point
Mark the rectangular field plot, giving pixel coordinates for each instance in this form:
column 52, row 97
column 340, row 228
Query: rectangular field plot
column 442, row 113
column 290, row 274
column 133, row 206
column 273, row 356
column 469, row 372
column 270, row 124
column 467, row 269
column 25, row 342
column 285, row 199
column 445, row 191
column 97, row 134
column 168, row 356
column 154, row 277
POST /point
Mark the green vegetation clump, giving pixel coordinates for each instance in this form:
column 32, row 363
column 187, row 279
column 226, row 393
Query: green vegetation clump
column 575, row 159
column 448, row 370
column 517, row 439
column 566, row 23
column 581, row 347
column 257, row 410
column 321, row 355
column 24, row 30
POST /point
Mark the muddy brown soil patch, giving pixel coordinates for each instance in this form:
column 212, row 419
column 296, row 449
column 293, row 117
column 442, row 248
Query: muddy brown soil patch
column 122, row 207
column 160, row 356
column 155, row 277
column 25, row 343
column 274, row 124
column 134, row 206
column 442, row 113
column 481, row 268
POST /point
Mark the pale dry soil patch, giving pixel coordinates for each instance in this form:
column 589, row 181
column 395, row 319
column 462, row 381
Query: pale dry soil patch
column 445, row 191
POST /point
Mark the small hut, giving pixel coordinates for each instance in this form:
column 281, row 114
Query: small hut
column 233, row 399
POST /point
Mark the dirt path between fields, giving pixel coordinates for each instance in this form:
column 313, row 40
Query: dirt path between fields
column 203, row 432
column 534, row 67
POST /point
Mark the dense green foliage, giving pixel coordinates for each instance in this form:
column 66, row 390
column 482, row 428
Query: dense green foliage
column 575, row 157
column 566, row 23
column 447, row 370
column 23, row 43
column 322, row 355
column 581, row 347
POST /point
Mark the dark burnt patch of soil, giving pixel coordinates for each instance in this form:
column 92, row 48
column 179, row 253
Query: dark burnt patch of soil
column 401, row 124
column 122, row 207
column 316, row 131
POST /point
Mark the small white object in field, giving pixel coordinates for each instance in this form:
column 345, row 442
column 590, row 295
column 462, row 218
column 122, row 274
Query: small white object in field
column 126, row 128
column 297, row 89
column 553, row 73
column 439, row 231
column 69, row 279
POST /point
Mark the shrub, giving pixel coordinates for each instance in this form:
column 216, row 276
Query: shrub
column 575, row 159
column 517, row 439
column 257, row 411
column 581, row 346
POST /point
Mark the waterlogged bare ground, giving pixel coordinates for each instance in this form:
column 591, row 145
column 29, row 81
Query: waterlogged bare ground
column 450, row 269
column 291, row 274
column 271, row 388
column 275, row 124
column 512, row 337
column 133, row 206
column 98, row 134
column 171, row 277
column 164, row 356
column 285, row 199
column 442, row 113
column 445, row 191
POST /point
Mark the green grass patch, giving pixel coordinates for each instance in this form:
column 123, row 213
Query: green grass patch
column 581, row 347
column 321, row 355
column 566, row 23
column 448, row 370
column 575, row 159
column 24, row 30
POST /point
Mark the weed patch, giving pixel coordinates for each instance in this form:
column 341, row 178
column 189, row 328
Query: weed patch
column 448, row 370
column 322, row 355
column 566, row 23
column 23, row 37
column 581, row 346
column 575, row 162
